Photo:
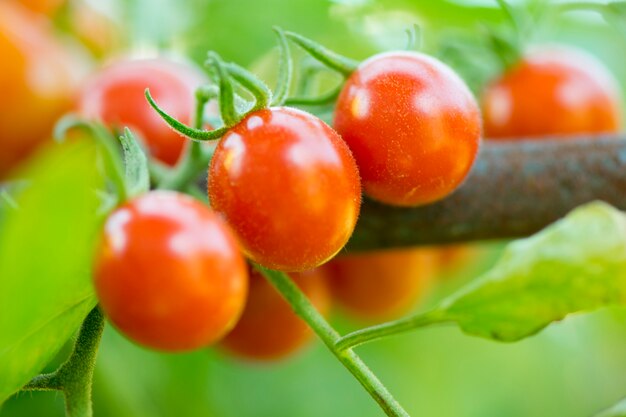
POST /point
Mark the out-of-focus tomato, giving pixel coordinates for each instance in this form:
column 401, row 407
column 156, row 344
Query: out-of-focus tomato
column 381, row 285
column 268, row 328
column 38, row 78
column 451, row 258
column 552, row 91
column 115, row 96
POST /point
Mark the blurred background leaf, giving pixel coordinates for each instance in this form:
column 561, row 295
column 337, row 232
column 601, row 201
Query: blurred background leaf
column 45, row 259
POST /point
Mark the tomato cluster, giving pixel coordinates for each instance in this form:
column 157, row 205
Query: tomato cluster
column 285, row 188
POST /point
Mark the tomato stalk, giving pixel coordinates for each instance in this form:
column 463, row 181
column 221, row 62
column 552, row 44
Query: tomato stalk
column 305, row 310
column 344, row 66
column 391, row 328
column 285, row 71
column 75, row 376
column 196, row 158
column 109, row 152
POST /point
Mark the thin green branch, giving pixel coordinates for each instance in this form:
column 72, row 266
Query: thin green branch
column 228, row 110
column 195, row 159
column 193, row 133
column 331, row 59
column 305, row 310
column 322, row 100
column 259, row 90
column 285, row 71
column 391, row 328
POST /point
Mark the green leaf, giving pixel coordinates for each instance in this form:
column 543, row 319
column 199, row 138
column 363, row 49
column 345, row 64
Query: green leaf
column 618, row 410
column 46, row 249
column 576, row 264
column 137, row 175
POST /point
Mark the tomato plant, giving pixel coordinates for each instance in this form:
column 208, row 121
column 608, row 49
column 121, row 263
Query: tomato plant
column 413, row 126
column 381, row 285
column 115, row 96
column 289, row 187
column 169, row 274
column 268, row 328
column 37, row 79
column 552, row 91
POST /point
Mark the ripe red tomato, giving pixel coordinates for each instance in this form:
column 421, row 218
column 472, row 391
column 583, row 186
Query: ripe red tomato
column 289, row 187
column 115, row 96
column 381, row 285
column 37, row 80
column 268, row 328
column 555, row 91
column 413, row 126
column 169, row 274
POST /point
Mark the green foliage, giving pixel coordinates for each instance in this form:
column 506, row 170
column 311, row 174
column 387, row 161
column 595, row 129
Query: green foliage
column 45, row 258
column 577, row 264
column 619, row 410
column 137, row 176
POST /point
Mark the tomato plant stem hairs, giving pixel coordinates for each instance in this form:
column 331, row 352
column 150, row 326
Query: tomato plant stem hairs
column 349, row 359
column 74, row 377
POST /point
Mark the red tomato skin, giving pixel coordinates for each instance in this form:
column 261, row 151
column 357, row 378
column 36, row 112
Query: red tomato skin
column 115, row 96
column 552, row 91
column 289, row 187
column 413, row 126
column 382, row 285
column 268, row 329
column 169, row 274
column 38, row 79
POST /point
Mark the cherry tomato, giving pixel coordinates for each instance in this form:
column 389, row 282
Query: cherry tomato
column 37, row 80
column 268, row 328
column 289, row 187
column 555, row 91
column 413, row 126
column 381, row 285
column 169, row 274
column 451, row 258
column 115, row 96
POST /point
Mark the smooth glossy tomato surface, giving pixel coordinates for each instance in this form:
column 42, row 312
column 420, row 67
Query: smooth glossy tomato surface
column 413, row 127
column 268, row 328
column 555, row 91
column 169, row 274
column 115, row 96
column 38, row 78
column 289, row 187
column 382, row 285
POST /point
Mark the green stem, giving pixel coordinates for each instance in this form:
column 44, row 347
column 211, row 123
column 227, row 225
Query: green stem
column 391, row 328
column 195, row 158
column 321, row 100
column 285, row 72
column 193, row 133
column 110, row 153
column 331, row 59
column 228, row 110
column 259, row 90
column 75, row 376
column 305, row 310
